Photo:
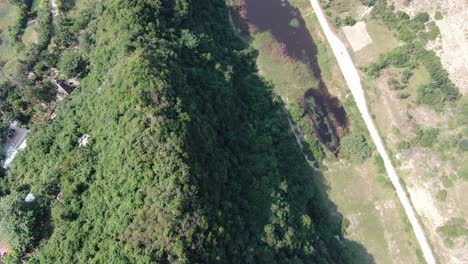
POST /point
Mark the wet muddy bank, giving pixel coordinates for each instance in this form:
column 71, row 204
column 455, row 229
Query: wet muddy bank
column 286, row 24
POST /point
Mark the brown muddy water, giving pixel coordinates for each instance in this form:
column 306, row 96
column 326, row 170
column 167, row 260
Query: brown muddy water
column 288, row 27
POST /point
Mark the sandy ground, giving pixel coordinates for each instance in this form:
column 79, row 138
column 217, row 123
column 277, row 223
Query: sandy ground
column 354, row 83
column 452, row 47
column 357, row 36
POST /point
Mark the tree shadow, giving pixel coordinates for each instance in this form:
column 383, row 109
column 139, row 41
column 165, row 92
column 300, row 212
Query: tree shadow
column 289, row 29
column 252, row 178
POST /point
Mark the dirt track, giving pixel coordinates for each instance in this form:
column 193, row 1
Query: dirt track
column 353, row 80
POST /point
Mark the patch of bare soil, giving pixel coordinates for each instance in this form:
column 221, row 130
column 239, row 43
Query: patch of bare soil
column 357, row 36
column 452, row 47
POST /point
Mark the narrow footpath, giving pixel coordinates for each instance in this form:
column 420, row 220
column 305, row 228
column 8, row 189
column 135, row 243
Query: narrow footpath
column 353, row 80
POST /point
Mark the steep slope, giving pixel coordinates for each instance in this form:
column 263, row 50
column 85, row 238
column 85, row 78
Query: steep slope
column 189, row 159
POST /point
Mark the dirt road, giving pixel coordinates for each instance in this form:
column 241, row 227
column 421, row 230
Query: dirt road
column 53, row 10
column 353, row 80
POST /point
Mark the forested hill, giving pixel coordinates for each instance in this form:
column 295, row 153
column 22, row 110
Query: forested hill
column 189, row 160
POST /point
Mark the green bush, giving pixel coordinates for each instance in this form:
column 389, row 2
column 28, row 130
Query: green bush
column 441, row 195
column 463, row 172
column 406, row 76
column 355, row 147
column 337, row 21
column 428, row 137
column 71, row 64
column 463, row 145
column 350, row 21
column 403, row 95
column 438, row 15
column 368, row 2
column 453, row 229
column 422, row 17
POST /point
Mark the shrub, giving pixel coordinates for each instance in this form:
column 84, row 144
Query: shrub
column 337, row 21
column 453, row 229
column 422, row 17
column 406, row 76
column 438, row 15
column 428, row 137
column 463, row 145
column 349, row 21
column 463, row 172
column 395, row 84
column 441, row 195
column 71, row 64
column 368, row 2
column 355, row 147
column 403, row 145
column 294, row 23
column 447, row 182
column 403, row 95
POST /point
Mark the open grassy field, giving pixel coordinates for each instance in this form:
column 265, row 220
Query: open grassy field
column 7, row 52
column 360, row 191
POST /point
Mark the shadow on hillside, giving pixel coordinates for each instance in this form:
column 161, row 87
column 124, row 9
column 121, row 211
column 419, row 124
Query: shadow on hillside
column 288, row 27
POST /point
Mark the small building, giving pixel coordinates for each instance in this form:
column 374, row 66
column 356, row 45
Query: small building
column 15, row 142
column 64, row 89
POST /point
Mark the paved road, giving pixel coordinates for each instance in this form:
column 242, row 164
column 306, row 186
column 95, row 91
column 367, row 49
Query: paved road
column 354, row 83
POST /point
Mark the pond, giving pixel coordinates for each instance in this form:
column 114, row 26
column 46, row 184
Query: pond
column 288, row 27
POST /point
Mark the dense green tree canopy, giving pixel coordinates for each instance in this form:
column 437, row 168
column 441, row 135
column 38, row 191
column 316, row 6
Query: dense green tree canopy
column 190, row 158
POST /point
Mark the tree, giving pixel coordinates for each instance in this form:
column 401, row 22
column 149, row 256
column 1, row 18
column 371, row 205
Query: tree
column 16, row 222
column 350, row 21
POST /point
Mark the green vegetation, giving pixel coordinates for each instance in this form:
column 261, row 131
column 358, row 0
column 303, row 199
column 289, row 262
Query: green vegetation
column 294, row 23
column 190, row 158
column 453, row 229
column 441, row 195
column 438, row 92
column 463, row 145
column 438, row 15
column 382, row 177
column 291, row 80
column 406, row 76
column 428, row 137
column 350, row 21
column 16, row 29
column 355, row 147
column 424, row 138
column 368, row 2
column 463, row 172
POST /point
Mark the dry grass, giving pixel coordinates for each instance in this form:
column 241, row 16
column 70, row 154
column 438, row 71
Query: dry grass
column 382, row 41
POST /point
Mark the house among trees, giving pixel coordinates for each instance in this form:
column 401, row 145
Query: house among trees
column 15, row 142
column 64, row 89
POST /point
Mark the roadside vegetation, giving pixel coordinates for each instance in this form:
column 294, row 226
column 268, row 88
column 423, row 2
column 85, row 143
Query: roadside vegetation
column 417, row 108
column 358, row 186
